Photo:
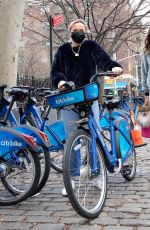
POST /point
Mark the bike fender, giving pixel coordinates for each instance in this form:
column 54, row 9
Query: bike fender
column 34, row 133
column 12, row 140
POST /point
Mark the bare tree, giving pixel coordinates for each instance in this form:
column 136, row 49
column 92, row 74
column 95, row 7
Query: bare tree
column 112, row 22
column 11, row 14
column 30, row 63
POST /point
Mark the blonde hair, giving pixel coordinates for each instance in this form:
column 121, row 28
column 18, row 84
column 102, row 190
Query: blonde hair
column 79, row 21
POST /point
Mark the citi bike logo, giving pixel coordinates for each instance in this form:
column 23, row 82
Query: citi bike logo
column 64, row 100
column 11, row 143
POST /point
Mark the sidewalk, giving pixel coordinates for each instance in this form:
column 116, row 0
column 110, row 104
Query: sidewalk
column 127, row 206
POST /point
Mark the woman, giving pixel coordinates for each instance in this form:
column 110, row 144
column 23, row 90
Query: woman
column 78, row 60
column 145, row 74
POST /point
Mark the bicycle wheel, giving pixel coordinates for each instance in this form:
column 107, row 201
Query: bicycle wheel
column 86, row 190
column 21, row 179
column 129, row 167
column 44, row 161
column 45, row 169
column 56, row 158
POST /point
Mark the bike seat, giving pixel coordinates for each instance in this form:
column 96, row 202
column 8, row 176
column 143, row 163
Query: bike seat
column 18, row 92
column 112, row 104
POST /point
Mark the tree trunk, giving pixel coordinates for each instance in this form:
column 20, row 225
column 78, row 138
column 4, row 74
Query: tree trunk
column 11, row 15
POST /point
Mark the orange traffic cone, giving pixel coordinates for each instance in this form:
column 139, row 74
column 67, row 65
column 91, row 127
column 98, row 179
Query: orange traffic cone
column 137, row 137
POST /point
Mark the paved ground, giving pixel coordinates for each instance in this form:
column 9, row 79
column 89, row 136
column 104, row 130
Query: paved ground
column 127, row 206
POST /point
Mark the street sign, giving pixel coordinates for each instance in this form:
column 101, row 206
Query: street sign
column 57, row 20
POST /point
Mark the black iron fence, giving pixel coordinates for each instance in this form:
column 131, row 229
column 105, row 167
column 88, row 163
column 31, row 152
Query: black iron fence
column 33, row 82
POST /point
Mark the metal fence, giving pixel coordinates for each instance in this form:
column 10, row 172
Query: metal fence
column 33, row 82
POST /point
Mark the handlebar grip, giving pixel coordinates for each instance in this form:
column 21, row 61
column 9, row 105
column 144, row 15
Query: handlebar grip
column 104, row 74
column 68, row 85
column 108, row 73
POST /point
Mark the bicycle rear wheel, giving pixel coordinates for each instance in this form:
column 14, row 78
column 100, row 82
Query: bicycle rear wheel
column 21, row 179
column 44, row 161
column 86, row 190
column 45, row 165
column 56, row 158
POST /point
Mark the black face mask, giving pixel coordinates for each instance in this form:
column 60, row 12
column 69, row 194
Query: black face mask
column 78, row 37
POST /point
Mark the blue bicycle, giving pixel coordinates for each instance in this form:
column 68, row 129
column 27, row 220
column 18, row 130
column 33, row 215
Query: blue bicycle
column 8, row 118
column 128, row 109
column 87, row 157
column 19, row 166
column 29, row 114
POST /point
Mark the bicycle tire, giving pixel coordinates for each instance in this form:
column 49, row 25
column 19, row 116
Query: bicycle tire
column 16, row 192
column 76, row 142
column 59, row 155
column 45, row 173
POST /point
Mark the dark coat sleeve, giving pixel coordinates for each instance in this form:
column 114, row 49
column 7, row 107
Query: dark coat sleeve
column 102, row 59
column 56, row 73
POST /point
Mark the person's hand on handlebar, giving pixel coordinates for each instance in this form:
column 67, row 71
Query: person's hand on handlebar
column 117, row 70
column 66, row 85
column 60, row 85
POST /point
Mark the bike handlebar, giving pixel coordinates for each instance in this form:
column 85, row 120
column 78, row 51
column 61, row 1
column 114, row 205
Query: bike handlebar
column 104, row 74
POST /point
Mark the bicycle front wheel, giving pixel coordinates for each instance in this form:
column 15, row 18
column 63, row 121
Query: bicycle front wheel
column 86, row 189
column 21, row 179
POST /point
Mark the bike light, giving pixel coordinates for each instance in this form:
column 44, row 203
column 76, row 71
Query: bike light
column 29, row 138
column 44, row 136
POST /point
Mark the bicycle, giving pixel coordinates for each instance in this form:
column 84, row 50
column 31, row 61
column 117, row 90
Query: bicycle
column 87, row 157
column 41, row 139
column 126, row 111
column 30, row 114
column 19, row 166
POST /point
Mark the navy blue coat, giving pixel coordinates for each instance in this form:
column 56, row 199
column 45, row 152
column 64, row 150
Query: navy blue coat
column 66, row 66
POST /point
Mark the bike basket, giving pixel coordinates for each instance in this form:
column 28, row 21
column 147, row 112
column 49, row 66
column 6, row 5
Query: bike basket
column 84, row 94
